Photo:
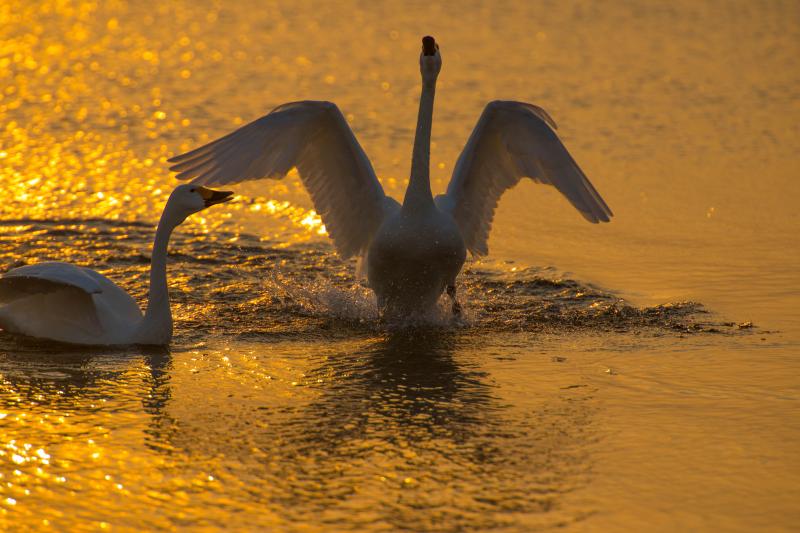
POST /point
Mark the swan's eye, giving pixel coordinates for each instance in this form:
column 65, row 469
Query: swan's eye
column 192, row 190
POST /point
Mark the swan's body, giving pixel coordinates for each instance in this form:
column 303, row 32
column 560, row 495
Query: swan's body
column 413, row 252
column 74, row 304
column 412, row 258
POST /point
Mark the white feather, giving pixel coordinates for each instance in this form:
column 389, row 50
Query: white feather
column 513, row 140
column 411, row 254
column 315, row 138
column 64, row 302
column 44, row 276
column 73, row 304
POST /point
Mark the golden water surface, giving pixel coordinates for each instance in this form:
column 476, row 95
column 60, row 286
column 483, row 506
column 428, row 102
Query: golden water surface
column 640, row 375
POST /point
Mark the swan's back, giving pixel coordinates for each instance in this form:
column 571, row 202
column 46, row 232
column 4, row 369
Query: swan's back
column 66, row 303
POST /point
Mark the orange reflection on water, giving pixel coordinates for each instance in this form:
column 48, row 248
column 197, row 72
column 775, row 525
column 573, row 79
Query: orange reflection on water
column 688, row 129
column 65, row 153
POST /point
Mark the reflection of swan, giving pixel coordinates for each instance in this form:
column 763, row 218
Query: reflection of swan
column 414, row 251
column 385, row 385
column 73, row 304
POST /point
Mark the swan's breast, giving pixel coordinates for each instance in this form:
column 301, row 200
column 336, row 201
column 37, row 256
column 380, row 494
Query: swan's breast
column 431, row 244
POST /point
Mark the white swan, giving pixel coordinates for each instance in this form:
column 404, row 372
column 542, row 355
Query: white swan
column 414, row 251
column 73, row 304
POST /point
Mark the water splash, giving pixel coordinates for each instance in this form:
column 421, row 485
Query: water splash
column 494, row 298
column 225, row 284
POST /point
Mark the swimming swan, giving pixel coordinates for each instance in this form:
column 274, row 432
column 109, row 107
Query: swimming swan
column 73, row 304
column 412, row 252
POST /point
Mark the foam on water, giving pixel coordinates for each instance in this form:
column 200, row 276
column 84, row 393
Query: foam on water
column 249, row 287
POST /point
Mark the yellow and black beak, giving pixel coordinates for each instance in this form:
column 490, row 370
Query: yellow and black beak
column 213, row 197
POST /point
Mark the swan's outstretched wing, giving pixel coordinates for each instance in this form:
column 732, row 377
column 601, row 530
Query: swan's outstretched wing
column 315, row 138
column 513, row 140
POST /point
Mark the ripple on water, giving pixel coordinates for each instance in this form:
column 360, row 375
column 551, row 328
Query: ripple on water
column 311, row 404
column 237, row 285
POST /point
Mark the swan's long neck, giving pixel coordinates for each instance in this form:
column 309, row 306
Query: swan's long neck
column 156, row 326
column 418, row 195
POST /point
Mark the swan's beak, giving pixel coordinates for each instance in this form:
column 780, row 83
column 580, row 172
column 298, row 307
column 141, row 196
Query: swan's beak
column 213, row 197
column 429, row 46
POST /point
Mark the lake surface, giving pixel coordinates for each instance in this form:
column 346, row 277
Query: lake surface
column 639, row 375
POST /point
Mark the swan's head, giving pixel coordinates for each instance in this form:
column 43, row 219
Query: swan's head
column 190, row 198
column 430, row 62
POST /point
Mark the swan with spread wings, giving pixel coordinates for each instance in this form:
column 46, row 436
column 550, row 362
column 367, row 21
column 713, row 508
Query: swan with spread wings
column 412, row 251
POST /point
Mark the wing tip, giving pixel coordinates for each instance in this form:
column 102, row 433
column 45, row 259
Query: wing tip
column 479, row 250
column 185, row 175
column 598, row 217
column 604, row 217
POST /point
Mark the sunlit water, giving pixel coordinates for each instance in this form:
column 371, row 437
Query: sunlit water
column 639, row 375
